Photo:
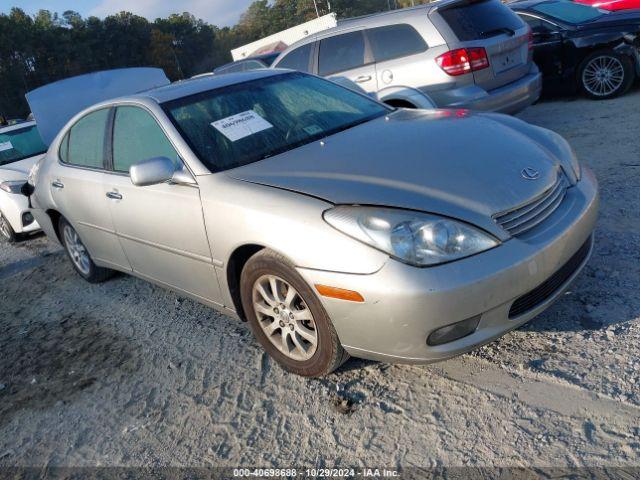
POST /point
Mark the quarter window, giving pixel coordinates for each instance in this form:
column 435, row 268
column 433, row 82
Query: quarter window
column 297, row 59
column 342, row 52
column 84, row 144
column 136, row 137
column 395, row 41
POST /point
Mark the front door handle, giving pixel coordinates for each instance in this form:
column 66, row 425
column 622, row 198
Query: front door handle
column 363, row 78
column 57, row 184
column 114, row 196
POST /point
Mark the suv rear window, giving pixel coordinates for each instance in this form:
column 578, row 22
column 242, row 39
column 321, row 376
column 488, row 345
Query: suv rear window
column 395, row 41
column 477, row 20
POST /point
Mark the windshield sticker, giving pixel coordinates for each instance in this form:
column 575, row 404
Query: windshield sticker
column 313, row 129
column 5, row 146
column 237, row 127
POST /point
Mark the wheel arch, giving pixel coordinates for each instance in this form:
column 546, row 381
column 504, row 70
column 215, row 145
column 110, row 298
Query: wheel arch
column 235, row 264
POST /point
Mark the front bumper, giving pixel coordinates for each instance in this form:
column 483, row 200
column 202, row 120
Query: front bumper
column 511, row 98
column 404, row 304
column 13, row 207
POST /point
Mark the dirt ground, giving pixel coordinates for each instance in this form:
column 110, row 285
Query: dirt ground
column 128, row 374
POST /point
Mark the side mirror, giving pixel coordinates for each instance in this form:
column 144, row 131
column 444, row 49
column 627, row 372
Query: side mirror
column 152, row 171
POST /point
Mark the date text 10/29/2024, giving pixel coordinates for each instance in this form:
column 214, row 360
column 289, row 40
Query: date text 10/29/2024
column 315, row 472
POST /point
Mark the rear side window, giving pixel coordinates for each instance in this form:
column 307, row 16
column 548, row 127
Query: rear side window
column 297, row 59
column 479, row 20
column 84, row 143
column 395, row 41
column 137, row 137
column 340, row 53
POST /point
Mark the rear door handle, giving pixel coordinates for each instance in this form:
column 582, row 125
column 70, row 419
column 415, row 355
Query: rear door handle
column 114, row 196
column 363, row 78
column 57, row 184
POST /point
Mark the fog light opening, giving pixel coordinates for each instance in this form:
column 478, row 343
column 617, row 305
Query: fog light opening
column 27, row 219
column 453, row 332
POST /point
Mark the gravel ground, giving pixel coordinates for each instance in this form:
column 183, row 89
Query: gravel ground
column 128, row 374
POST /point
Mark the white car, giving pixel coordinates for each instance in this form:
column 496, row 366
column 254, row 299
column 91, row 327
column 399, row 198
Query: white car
column 20, row 148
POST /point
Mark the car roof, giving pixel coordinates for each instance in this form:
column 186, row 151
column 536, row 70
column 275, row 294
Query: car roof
column 193, row 86
column 17, row 126
column 262, row 56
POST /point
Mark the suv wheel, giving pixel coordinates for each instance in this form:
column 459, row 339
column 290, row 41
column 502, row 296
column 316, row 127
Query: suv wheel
column 287, row 318
column 605, row 74
column 79, row 255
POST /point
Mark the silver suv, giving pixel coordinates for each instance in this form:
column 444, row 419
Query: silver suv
column 451, row 53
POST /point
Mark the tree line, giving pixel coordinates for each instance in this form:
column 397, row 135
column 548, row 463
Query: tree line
column 48, row 46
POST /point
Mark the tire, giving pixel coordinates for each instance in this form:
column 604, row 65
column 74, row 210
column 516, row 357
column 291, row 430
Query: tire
column 79, row 255
column 288, row 323
column 7, row 233
column 618, row 74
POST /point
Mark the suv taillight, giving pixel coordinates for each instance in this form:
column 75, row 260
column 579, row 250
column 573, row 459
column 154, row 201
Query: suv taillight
column 463, row 60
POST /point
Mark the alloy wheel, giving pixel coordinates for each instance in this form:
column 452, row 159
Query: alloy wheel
column 285, row 318
column 77, row 251
column 603, row 75
column 5, row 228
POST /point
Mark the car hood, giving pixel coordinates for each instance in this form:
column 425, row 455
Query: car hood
column 614, row 18
column 455, row 163
column 18, row 170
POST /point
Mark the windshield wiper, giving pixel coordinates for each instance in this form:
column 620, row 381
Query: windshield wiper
column 497, row 31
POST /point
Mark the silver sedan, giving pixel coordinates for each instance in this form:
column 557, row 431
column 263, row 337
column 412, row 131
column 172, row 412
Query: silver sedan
column 333, row 224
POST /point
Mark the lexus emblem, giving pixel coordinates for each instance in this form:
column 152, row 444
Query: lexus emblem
column 530, row 173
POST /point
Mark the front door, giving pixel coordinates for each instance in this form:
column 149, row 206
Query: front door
column 347, row 56
column 161, row 227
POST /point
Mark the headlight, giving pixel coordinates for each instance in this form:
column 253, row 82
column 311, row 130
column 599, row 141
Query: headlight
column 415, row 238
column 13, row 186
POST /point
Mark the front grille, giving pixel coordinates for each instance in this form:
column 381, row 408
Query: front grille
column 538, row 295
column 522, row 219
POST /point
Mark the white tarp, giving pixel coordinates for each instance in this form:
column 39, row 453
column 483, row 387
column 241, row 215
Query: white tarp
column 53, row 105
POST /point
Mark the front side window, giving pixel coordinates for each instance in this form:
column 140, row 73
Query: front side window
column 395, row 41
column 297, row 59
column 19, row 143
column 136, row 137
column 244, row 123
column 84, row 143
column 341, row 53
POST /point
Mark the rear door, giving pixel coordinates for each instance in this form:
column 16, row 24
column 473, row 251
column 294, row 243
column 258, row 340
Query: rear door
column 496, row 28
column 348, row 55
column 78, row 190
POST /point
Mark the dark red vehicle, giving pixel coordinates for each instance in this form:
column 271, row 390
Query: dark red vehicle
column 611, row 5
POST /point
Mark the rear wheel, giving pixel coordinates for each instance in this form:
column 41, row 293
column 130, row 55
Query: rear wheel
column 79, row 255
column 287, row 318
column 6, row 230
column 605, row 74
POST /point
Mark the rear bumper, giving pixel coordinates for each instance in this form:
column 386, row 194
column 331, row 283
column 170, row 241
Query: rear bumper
column 510, row 99
column 404, row 305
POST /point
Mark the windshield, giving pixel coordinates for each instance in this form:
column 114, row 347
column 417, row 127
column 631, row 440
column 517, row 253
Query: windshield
column 19, row 144
column 240, row 124
column 569, row 12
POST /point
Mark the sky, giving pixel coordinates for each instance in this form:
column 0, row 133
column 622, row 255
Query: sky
column 217, row 12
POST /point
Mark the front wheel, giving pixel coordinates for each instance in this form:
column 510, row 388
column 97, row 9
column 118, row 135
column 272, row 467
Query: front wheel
column 79, row 255
column 605, row 74
column 287, row 318
column 6, row 230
